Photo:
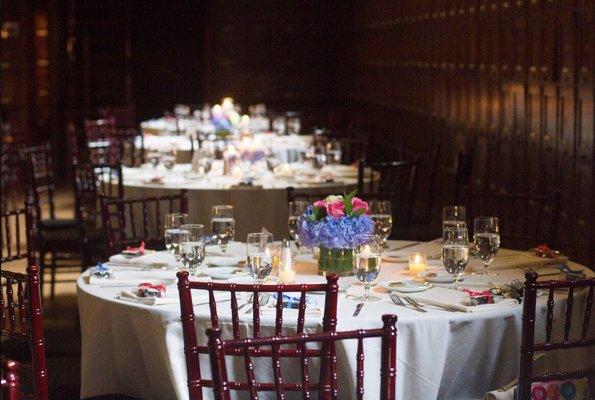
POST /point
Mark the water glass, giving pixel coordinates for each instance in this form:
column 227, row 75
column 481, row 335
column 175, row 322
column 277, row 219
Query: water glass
column 223, row 225
column 366, row 264
column 454, row 217
column 455, row 252
column 171, row 230
column 296, row 210
column 192, row 246
column 154, row 158
column 259, row 255
column 486, row 237
column 381, row 214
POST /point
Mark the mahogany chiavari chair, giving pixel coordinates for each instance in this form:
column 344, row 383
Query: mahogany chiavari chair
column 127, row 222
column 20, row 294
column 327, row 385
column 91, row 181
column 100, row 129
column 22, row 320
column 57, row 237
column 192, row 349
column 393, row 180
column 10, row 380
column 528, row 345
column 525, row 220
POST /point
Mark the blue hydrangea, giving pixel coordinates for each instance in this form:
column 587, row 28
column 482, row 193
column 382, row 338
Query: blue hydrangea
column 333, row 233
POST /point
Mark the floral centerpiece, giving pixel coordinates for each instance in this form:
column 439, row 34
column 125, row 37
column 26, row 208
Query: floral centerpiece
column 336, row 225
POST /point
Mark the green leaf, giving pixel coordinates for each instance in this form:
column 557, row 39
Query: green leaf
column 347, row 202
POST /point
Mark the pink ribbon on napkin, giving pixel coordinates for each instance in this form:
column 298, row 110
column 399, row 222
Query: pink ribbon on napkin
column 140, row 249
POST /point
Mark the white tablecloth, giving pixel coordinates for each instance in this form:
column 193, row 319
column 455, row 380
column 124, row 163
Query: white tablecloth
column 255, row 207
column 137, row 350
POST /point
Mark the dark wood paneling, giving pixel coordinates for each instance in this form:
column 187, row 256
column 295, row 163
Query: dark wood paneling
column 514, row 78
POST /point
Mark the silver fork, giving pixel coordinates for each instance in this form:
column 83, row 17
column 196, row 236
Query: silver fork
column 247, row 301
column 397, row 300
column 414, row 303
column 262, row 301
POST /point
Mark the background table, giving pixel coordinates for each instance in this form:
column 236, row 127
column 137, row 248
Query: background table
column 137, row 350
column 255, row 207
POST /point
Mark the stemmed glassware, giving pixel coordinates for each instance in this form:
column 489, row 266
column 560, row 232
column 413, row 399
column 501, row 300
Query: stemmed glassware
column 173, row 222
column 486, row 237
column 381, row 214
column 259, row 255
column 154, row 158
column 454, row 217
column 192, row 246
column 296, row 210
column 223, row 225
column 366, row 264
column 455, row 252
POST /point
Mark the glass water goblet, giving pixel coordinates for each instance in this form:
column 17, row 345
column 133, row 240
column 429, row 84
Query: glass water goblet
column 454, row 217
column 296, row 210
column 486, row 236
column 259, row 255
column 171, row 230
column 192, row 246
column 455, row 252
column 223, row 225
column 154, row 158
column 381, row 214
column 366, row 264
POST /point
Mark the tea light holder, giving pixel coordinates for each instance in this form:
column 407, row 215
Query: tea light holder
column 286, row 268
column 418, row 262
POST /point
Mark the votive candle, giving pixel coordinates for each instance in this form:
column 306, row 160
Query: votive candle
column 418, row 262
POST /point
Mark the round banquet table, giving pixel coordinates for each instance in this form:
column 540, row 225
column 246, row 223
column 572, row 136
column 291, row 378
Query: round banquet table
column 137, row 349
column 263, row 205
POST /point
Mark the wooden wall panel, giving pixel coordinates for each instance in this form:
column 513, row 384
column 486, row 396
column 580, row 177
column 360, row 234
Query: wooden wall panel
column 514, row 79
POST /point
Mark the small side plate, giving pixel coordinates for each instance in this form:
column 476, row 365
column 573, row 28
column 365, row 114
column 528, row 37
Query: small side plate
column 406, row 286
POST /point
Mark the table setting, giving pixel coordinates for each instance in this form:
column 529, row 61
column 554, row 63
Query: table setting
column 447, row 301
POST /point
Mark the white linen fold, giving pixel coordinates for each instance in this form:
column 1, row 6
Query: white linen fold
column 198, row 298
column 149, row 259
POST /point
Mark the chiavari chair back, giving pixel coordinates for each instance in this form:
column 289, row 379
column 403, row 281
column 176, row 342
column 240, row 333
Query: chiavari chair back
column 92, row 181
column 40, row 173
column 100, row 129
column 20, row 303
column 525, row 220
column 127, row 222
column 17, row 235
column 10, row 382
column 192, row 349
column 585, row 340
column 327, row 385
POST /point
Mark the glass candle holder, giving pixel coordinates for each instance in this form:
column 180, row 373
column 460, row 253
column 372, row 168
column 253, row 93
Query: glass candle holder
column 286, row 266
column 418, row 262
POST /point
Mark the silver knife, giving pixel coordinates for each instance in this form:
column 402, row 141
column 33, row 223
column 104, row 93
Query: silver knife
column 402, row 247
column 358, row 308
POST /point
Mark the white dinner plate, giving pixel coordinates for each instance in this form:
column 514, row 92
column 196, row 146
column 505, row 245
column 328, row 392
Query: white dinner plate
column 438, row 277
column 224, row 272
column 405, row 286
column 223, row 261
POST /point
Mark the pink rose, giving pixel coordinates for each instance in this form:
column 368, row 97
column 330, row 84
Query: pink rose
column 358, row 205
column 336, row 209
column 320, row 204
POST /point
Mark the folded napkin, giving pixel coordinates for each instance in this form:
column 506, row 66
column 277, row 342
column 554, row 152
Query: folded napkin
column 200, row 298
column 440, row 296
column 131, row 277
column 290, row 305
column 522, row 259
column 158, row 257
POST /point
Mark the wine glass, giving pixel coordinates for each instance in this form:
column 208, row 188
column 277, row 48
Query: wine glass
column 169, row 162
column 192, row 246
column 366, row 264
column 259, row 255
column 296, row 210
column 380, row 212
column 154, row 159
column 454, row 217
column 223, row 225
column 455, row 252
column 173, row 221
column 487, row 240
